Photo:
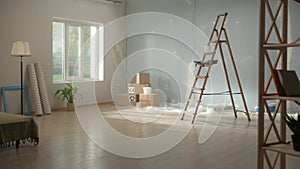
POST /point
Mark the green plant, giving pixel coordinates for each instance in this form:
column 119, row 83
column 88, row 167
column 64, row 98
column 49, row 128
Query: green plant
column 293, row 124
column 67, row 93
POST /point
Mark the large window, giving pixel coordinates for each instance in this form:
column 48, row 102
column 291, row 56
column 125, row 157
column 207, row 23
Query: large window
column 77, row 51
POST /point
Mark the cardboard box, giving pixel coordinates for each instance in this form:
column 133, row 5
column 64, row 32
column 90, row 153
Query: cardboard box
column 134, row 88
column 133, row 98
column 142, row 78
column 152, row 99
column 149, row 97
column 125, row 99
column 121, row 100
column 144, row 104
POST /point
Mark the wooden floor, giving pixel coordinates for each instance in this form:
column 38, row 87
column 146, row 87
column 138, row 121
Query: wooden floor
column 64, row 145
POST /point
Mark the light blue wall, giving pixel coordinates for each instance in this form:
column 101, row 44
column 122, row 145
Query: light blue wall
column 242, row 27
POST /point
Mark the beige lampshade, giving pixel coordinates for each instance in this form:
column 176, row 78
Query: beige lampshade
column 20, row 48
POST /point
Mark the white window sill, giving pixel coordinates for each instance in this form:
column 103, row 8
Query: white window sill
column 75, row 81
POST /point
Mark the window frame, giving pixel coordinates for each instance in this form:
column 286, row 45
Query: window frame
column 99, row 58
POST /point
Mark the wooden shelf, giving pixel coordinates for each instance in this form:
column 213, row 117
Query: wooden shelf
column 282, row 148
column 265, row 53
column 280, row 45
column 276, row 97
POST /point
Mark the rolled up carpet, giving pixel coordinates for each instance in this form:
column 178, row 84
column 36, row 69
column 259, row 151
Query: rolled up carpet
column 42, row 89
column 35, row 90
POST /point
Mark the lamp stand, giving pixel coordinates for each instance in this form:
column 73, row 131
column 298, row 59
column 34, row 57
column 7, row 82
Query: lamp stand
column 21, row 65
column 20, row 49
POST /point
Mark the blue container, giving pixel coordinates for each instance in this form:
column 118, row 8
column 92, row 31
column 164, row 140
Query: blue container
column 272, row 108
column 256, row 109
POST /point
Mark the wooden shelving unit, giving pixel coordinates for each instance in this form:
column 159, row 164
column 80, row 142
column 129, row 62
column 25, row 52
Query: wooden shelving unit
column 277, row 46
column 273, row 33
column 282, row 148
column 281, row 98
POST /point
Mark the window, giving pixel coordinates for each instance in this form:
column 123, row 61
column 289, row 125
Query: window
column 77, row 51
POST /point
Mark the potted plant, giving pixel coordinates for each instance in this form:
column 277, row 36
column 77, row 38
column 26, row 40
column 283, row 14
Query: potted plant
column 294, row 125
column 67, row 93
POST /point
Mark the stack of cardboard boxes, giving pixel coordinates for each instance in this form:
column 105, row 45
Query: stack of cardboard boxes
column 137, row 93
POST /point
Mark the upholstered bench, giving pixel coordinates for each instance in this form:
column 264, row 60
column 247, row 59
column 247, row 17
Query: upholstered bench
column 16, row 129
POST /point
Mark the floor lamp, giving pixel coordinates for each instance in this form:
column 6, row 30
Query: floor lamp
column 21, row 49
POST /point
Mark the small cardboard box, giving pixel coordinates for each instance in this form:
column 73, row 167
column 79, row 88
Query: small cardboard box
column 152, row 99
column 134, row 88
column 142, row 78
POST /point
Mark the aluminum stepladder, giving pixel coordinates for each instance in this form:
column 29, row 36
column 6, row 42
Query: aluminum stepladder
column 217, row 37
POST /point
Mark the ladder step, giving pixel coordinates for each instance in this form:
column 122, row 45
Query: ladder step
column 209, row 53
column 201, row 77
column 221, row 93
column 205, row 63
column 189, row 112
column 198, row 89
column 224, row 14
column 220, row 41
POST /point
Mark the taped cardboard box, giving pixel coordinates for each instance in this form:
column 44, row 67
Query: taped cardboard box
column 144, row 104
column 153, row 99
column 134, row 88
column 142, row 78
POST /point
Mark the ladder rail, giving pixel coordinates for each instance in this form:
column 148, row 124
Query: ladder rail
column 196, row 80
column 237, row 76
column 203, row 85
column 194, row 84
column 227, row 79
column 213, row 30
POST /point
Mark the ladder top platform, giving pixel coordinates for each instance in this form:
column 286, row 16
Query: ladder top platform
column 205, row 63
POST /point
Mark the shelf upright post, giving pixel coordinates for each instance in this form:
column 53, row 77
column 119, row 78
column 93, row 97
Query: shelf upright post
column 261, row 79
column 284, row 33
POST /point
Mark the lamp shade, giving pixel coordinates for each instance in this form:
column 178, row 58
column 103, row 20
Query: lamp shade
column 20, row 48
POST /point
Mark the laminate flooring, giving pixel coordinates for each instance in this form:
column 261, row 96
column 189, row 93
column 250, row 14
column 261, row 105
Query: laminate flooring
column 64, row 145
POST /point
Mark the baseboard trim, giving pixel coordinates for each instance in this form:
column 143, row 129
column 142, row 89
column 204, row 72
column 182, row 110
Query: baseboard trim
column 85, row 105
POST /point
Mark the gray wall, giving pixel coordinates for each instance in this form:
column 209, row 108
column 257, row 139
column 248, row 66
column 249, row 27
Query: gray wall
column 30, row 20
column 242, row 27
